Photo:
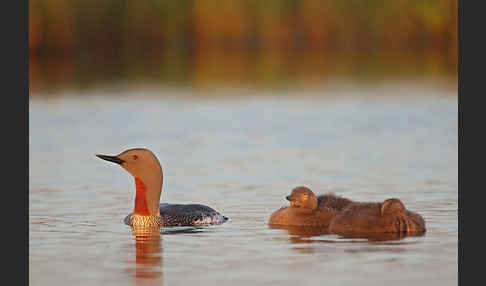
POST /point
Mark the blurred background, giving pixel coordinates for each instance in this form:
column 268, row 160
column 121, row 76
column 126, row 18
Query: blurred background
column 91, row 43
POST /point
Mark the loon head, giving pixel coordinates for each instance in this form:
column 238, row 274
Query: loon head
column 302, row 197
column 145, row 168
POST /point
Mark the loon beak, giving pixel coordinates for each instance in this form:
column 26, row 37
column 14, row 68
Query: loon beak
column 289, row 198
column 113, row 159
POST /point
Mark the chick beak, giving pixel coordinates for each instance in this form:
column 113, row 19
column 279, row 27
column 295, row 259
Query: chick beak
column 289, row 198
column 113, row 159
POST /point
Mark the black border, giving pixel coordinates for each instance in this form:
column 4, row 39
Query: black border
column 14, row 118
column 471, row 142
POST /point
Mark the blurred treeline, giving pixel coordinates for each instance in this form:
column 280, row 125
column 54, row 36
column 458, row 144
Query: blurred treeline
column 86, row 42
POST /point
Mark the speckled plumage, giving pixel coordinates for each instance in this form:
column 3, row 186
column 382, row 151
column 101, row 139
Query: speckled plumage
column 179, row 215
column 143, row 220
column 330, row 202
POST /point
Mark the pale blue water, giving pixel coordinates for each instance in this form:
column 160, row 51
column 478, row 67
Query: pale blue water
column 241, row 154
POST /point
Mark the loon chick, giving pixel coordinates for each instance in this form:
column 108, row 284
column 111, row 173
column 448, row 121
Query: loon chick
column 144, row 166
column 308, row 210
column 390, row 216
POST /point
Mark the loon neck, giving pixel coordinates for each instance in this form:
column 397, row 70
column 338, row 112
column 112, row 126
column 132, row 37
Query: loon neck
column 147, row 198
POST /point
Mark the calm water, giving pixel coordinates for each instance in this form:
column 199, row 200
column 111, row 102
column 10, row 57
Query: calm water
column 241, row 155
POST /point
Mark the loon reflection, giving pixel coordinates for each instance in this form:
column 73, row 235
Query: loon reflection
column 149, row 251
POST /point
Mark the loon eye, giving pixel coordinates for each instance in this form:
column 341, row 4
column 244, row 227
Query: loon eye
column 135, row 157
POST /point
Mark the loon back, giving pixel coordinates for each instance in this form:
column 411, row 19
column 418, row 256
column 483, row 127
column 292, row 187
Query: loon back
column 186, row 215
column 331, row 201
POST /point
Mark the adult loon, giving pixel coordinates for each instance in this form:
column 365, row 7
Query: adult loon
column 144, row 166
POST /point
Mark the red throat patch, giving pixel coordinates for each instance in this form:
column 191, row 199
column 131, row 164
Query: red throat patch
column 141, row 207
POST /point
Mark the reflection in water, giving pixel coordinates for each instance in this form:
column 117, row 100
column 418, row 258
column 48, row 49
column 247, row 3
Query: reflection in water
column 148, row 259
column 301, row 234
column 148, row 252
column 306, row 235
column 380, row 236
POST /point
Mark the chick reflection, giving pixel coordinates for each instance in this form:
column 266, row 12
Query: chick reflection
column 302, row 234
column 148, row 252
column 379, row 236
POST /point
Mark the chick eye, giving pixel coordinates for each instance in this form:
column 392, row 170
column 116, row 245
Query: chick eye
column 135, row 157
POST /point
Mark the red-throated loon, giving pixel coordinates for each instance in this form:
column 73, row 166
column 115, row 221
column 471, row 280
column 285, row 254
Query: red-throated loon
column 145, row 168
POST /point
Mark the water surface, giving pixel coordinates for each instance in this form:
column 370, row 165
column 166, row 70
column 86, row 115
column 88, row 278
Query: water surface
column 241, row 155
